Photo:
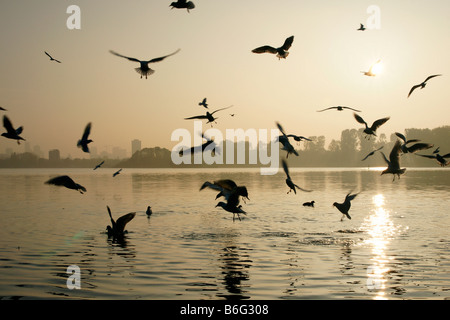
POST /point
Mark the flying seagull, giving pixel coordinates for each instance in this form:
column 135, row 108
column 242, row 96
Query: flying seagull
column 117, row 228
column 415, row 147
column 339, row 108
column 297, row 138
column 144, row 69
column 440, row 159
column 361, row 27
column 345, row 206
column 208, row 115
column 284, row 140
column 370, row 73
column 372, row 129
column 202, row 147
column 116, row 173
column 66, row 181
column 183, row 4
column 281, row 52
column 372, row 153
column 11, row 133
column 1, row 108
column 229, row 189
column 51, row 58
column 423, row 84
column 99, row 165
column 394, row 161
column 292, row 186
column 84, row 141
column 203, row 103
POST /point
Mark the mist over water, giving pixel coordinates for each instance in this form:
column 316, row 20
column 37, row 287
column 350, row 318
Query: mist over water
column 394, row 247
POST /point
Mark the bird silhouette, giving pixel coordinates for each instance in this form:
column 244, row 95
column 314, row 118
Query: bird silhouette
column 423, row 84
column 298, row 138
column 345, row 206
column 233, row 209
column 229, row 189
column 440, row 159
column 281, row 52
column 203, row 103
column 370, row 73
column 415, row 147
column 292, row 186
column 117, row 172
column 183, row 4
column 284, row 140
column 11, row 133
column 361, row 27
column 372, row 153
column 99, row 165
column 84, row 141
column 66, row 181
column 436, row 150
column 309, row 204
column 373, row 128
column 202, row 147
column 51, row 58
column 144, row 69
column 208, row 116
column 3, row 109
column 394, row 161
column 339, row 108
column 117, row 228
column 149, row 211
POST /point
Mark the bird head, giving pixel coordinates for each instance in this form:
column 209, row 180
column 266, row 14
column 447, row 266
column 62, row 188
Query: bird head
column 334, row 204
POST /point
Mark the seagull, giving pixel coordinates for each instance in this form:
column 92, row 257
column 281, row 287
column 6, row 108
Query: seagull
column 281, row 52
column 149, row 211
column 51, row 58
column 117, row 172
column 415, row 147
column 345, row 206
column 372, row 153
column 436, row 150
column 423, row 84
column 203, row 103
column 361, row 28
column 11, row 133
column 144, row 69
column 84, row 141
column 394, row 161
column 202, row 147
column 298, row 138
column 339, row 108
column 229, row 189
column 117, row 228
column 208, row 115
column 371, row 130
column 370, row 73
column 66, row 181
column 284, row 140
column 233, row 209
column 99, row 165
column 289, row 181
column 309, row 204
column 440, row 159
column 1, row 108
column 183, row 4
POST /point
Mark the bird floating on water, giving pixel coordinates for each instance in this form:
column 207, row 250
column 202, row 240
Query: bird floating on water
column 361, row 27
column 281, row 52
column 423, row 84
column 117, row 172
column 84, row 141
column 415, row 147
column 345, row 206
column 440, row 159
column 51, row 58
column 394, row 161
column 144, row 69
column 99, row 165
column 208, row 116
column 309, row 204
column 12, row 133
column 183, row 4
column 203, row 103
column 373, row 128
column 292, row 186
column 117, row 228
column 66, row 181
column 372, row 153
column 284, row 140
column 149, row 211
column 339, row 108
column 371, row 72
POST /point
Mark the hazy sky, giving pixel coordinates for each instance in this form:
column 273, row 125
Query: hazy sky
column 55, row 101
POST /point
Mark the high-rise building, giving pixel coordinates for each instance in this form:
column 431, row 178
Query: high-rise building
column 53, row 155
column 135, row 146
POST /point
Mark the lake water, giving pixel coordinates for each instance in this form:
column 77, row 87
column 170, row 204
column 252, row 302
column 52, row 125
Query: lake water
column 396, row 246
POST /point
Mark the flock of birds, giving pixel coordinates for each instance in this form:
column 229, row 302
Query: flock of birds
column 228, row 189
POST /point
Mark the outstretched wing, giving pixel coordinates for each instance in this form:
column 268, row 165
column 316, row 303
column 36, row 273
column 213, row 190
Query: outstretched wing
column 434, row 75
column 351, row 109
column 265, row 49
column 286, row 169
column 420, row 146
column 210, row 185
column 401, row 136
column 8, row 125
column 119, row 55
column 220, row 109
column 123, row 220
column 412, row 89
column 394, row 156
column 196, row 117
column 87, row 131
column 327, row 109
column 287, row 43
column 378, row 123
column 60, row 181
column 162, row 58
column 110, row 216
column 350, row 197
column 428, row 156
column 226, row 184
column 359, row 119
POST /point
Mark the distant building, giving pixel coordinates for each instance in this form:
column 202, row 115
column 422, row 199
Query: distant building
column 135, row 146
column 53, row 155
column 118, row 153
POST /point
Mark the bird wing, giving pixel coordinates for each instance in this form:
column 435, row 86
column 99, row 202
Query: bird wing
column 286, row 169
column 60, row 181
column 412, row 89
column 220, row 109
column 378, row 123
column 435, row 75
column 446, row 156
column 87, row 131
column 48, row 55
column 351, row 109
column 350, row 197
column 401, row 136
column 8, row 125
column 210, row 185
column 428, row 156
column 190, row 5
column 287, row 43
column 110, row 216
column 385, row 159
column 264, row 49
column 419, row 146
column 281, row 129
column 359, row 119
column 119, row 55
column 226, row 184
column 123, row 220
column 394, row 156
column 327, row 109
column 162, row 58
column 196, row 117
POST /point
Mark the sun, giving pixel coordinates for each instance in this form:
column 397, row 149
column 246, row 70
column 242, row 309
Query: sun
column 377, row 68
